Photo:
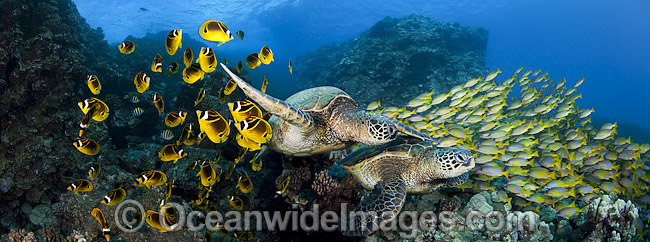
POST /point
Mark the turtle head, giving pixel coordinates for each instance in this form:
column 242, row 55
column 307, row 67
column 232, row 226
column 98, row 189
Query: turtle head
column 379, row 129
column 447, row 163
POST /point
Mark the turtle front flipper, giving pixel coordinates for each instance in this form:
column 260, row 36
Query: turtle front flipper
column 381, row 206
column 273, row 105
column 404, row 129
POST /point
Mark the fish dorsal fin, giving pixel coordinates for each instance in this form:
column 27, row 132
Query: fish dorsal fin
column 275, row 106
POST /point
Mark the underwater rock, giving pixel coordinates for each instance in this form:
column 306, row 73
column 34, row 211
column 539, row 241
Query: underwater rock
column 609, row 220
column 39, row 214
column 479, row 203
column 395, row 59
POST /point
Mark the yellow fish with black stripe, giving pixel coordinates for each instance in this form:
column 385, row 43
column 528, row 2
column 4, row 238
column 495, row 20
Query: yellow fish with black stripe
column 185, row 134
column 156, row 66
column 236, row 202
column 159, row 103
column 199, row 97
column 241, row 110
column 99, row 215
column 253, row 61
column 240, row 67
column 188, row 56
column 94, row 170
column 207, row 174
column 266, row 55
column 230, row 87
column 256, row 129
column 264, row 83
column 175, row 118
column 87, row 146
column 93, row 84
column 168, row 189
column 102, row 114
column 81, row 185
column 247, row 143
column 245, row 184
column 173, row 41
column 257, row 165
column 114, row 197
column 93, row 111
column 141, row 82
column 153, row 218
column 193, row 73
column 222, row 96
column 213, row 125
column 126, row 47
column 215, row 31
column 172, row 152
column 283, row 186
column 207, row 60
column 151, row 178
column 290, row 67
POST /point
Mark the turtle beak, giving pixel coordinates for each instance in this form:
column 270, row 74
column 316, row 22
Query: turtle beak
column 467, row 158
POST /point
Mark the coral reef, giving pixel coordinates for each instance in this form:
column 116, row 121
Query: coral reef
column 397, row 58
column 611, row 219
column 20, row 236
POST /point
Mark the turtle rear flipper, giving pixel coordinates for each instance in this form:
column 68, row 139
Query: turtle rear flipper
column 381, row 206
column 275, row 106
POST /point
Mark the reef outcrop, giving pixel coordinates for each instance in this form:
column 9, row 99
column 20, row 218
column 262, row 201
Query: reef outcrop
column 396, row 59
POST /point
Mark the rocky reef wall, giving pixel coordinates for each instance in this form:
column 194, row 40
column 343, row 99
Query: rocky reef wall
column 397, row 58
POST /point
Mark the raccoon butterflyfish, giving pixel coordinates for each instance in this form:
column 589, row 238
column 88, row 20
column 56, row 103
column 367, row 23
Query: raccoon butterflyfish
column 87, row 146
column 137, row 111
column 242, row 152
column 175, row 118
column 81, row 185
column 236, row 202
column 213, row 125
column 225, row 62
column 172, row 68
column 207, row 60
column 168, row 189
column 267, row 116
column 141, row 82
column 191, row 166
column 240, row 67
column 114, row 197
column 215, row 31
column 93, row 111
column 172, row 152
column 256, row 166
column 245, row 184
column 173, row 41
column 207, row 174
column 231, row 85
column 219, row 171
column 243, row 236
column 241, row 110
column 126, row 47
column 253, row 61
column 246, row 143
column 199, row 97
column 221, row 229
column 266, row 55
column 185, row 134
column 99, row 215
column 156, row 66
column 93, row 84
column 222, row 96
column 158, row 101
column 290, row 67
column 240, row 34
column 264, row 83
column 151, row 178
column 94, row 170
column 195, row 138
column 188, row 57
column 136, row 219
column 85, row 106
column 168, row 210
column 217, row 158
column 193, row 73
column 256, row 129
column 283, row 186
column 154, row 219
column 229, row 171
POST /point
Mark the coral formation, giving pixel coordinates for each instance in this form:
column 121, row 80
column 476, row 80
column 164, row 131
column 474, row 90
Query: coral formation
column 407, row 54
column 611, row 219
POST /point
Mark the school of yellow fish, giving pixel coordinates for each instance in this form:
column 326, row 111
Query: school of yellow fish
column 252, row 126
column 531, row 141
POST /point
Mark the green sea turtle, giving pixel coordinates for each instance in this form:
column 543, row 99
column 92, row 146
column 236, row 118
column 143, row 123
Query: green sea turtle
column 393, row 170
column 321, row 119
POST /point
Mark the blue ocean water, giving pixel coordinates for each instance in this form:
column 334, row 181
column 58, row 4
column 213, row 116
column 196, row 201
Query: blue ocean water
column 608, row 42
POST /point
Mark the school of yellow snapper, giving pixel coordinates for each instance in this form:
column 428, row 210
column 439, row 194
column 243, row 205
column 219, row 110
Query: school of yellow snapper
column 531, row 141
column 252, row 126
